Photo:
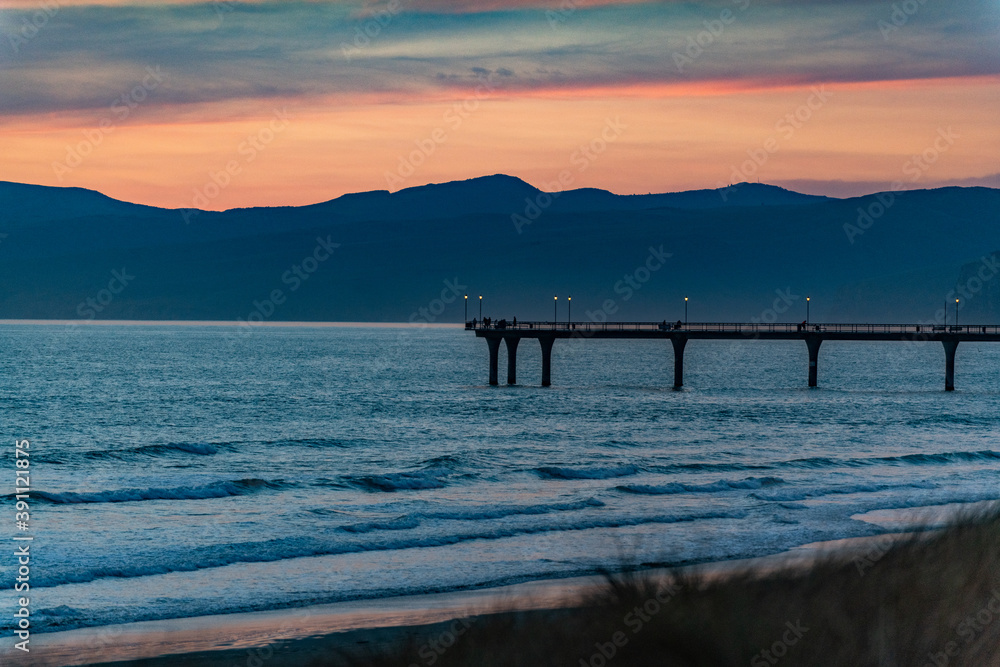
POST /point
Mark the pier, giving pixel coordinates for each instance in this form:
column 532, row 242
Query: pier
column 679, row 334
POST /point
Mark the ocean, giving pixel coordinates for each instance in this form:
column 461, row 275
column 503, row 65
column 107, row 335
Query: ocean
column 182, row 470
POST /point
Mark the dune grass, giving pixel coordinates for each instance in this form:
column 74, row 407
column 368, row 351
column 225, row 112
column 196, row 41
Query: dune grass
column 932, row 598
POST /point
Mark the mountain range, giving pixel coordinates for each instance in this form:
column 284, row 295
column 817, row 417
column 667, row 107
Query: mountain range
column 750, row 251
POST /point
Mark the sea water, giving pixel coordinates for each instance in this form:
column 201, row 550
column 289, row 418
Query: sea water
column 190, row 470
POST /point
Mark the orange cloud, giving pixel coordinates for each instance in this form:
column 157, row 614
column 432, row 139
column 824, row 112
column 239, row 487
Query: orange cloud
column 668, row 142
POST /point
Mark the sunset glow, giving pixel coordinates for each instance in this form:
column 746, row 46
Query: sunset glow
column 222, row 105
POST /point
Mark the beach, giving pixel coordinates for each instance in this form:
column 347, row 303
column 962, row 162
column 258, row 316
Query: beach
column 366, row 467
column 298, row 636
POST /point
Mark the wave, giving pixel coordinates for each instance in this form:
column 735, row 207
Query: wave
column 409, row 521
column 821, row 462
column 173, row 449
column 397, row 481
column 279, row 549
column 721, row 486
column 712, row 467
column 591, row 472
column 907, row 459
column 501, row 512
column 400, row 523
column 948, row 457
column 792, row 495
column 221, row 489
column 177, row 449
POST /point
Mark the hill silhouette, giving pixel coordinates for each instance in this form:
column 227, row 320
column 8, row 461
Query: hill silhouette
column 748, row 251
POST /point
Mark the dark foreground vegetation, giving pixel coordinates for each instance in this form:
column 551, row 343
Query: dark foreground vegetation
column 929, row 599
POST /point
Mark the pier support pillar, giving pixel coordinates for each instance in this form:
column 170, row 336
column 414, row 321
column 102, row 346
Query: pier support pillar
column 949, row 364
column 512, row 342
column 546, row 342
column 494, row 344
column 679, row 343
column 813, row 342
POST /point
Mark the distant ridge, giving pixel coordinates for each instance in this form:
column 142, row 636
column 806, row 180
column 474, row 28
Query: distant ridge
column 744, row 252
column 498, row 193
column 507, row 194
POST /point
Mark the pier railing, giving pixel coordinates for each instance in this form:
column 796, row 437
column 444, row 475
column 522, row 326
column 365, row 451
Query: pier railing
column 736, row 327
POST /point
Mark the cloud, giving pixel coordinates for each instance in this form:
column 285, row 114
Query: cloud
column 84, row 57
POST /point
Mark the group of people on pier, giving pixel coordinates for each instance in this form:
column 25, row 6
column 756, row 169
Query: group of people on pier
column 489, row 323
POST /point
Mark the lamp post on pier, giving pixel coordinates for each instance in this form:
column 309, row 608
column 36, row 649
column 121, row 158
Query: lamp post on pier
column 956, row 312
column 808, row 299
column 685, row 311
column 480, row 307
column 466, row 307
column 569, row 311
column 555, row 310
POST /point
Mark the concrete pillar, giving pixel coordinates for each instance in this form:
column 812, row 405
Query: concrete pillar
column 512, row 342
column 546, row 342
column 494, row 344
column 949, row 364
column 813, row 342
column 679, row 343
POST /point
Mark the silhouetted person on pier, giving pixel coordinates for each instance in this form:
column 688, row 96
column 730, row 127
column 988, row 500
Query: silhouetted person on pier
column 663, row 326
column 678, row 325
column 515, row 322
column 473, row 323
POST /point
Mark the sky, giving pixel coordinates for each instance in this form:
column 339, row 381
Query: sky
column 219, row 105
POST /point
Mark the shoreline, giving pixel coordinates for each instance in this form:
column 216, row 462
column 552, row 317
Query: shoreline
column 301, row 634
